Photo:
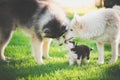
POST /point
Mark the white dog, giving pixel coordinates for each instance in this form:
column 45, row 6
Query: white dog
column 102, row 26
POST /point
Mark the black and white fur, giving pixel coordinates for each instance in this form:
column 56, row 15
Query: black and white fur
column 82, row 52
column 38, row 18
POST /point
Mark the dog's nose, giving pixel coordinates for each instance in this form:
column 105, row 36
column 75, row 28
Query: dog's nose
column 63, row 27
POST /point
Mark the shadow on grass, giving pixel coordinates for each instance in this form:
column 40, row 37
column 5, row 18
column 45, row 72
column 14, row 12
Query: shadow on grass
column 23, row 68
column 109, row 73
column 7, row 71
column 13, row 70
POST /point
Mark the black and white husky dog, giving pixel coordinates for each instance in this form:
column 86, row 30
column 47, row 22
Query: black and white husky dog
column 38, row 18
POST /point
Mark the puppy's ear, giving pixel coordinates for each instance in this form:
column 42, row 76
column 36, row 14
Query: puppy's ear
column 74, row 43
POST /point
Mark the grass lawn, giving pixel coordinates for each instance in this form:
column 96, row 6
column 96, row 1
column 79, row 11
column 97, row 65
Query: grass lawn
column 23, row 67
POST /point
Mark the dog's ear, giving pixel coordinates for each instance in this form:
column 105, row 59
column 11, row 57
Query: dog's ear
column 76, row 21
column 76, row 17
column 74, row 49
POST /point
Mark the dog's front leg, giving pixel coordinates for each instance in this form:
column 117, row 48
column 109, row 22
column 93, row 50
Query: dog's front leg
column 87, row 59
column 119, row 50
column 46, row 46
column 114, row 46
column 100, row 47
column 37, row 49
column 71, row 58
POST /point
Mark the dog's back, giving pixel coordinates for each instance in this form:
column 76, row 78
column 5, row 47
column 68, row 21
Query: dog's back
column 81, row 50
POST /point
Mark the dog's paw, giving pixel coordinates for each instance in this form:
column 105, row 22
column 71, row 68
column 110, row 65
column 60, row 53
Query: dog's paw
column 100, row 61
column 71, row 63
column 6, row 59
column 112, row 61
column 40, row 61
column 79, row 62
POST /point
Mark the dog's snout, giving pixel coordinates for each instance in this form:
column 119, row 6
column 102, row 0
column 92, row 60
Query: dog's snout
column 63, row 27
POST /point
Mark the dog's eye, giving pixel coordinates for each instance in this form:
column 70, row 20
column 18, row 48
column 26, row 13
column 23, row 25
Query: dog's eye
column 71, row 29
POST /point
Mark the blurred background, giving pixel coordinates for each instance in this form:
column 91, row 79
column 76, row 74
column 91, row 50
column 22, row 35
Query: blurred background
column 77, row 6
column 84, row 6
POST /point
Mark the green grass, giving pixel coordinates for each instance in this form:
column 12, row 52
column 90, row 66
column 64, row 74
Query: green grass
column 23, row 67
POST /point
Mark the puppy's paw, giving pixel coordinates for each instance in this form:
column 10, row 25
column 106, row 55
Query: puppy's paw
column 79, row 62
column 71, row 62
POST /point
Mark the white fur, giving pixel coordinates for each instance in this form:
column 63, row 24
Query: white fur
column 72, row 57
column 79, row 61
column 102, row 26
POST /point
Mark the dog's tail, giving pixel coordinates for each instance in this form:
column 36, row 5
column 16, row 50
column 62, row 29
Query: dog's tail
column 116, row 7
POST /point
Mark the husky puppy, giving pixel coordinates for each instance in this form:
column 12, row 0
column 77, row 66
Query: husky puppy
column 39, row 18
column 82, row 51
column 102, row 26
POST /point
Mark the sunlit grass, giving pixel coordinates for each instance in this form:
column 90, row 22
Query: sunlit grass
column 23, row 67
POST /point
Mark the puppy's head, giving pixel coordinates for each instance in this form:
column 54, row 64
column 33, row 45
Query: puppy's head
column 74, row 48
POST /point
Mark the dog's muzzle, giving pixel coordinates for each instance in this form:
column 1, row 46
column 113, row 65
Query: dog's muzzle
column 55, row 33
column 68, row 40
